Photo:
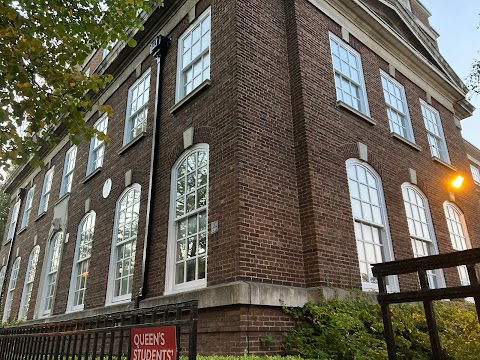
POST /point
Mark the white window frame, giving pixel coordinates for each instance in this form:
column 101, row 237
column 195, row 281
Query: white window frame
column 78, row 262
column 11, row 289
column 384, row 229
column 41, row 312
column 111, row 298
column 441, row 138
column 475, row 174
column 431, row 241
column 13, row 221
column 405, row 114
column 28, row 283
column 129, row 125
column 3, row 271
column 46, row 190
column 363, row 98
column 97, row 146
column 68, row 169
column 461, row 232
column 28, row 207
column 170, row 286
column 181, row 67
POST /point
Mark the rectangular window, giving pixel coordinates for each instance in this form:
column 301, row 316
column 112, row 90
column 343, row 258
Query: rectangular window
column 28, row 208
column 97, row 147
column 194, row 56
column 436, row 139
column 137, row 110
column 349, row 82
column 475, row 174
column 68, row 168
column 13, row 221
column 47, row 187
column 397, row 109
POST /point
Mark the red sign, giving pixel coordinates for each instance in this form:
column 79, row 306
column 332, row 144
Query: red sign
column 154, row 343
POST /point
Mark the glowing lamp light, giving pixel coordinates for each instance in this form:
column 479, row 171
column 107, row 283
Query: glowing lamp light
column 458, row 182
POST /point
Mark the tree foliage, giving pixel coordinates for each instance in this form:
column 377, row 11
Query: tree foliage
column 42, row 86
column 473, row 81
column 474, row 78
column 4, row 208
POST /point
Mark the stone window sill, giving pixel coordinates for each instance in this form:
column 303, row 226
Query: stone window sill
column 22, row 230
column 187, row 98
column 447, row 165
column 132, row 142
column 368, row 119
column 405, row 141
column 92, row 174
column 63, row 197
column 39, row 216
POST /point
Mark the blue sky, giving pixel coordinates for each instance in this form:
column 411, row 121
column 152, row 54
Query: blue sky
column 459, row 42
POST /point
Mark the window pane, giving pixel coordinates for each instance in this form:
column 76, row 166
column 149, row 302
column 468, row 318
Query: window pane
column 191, row 228
column 195, row 60
column 129, row 207
column 348, row 75
column 433, row 125
column 368, row 220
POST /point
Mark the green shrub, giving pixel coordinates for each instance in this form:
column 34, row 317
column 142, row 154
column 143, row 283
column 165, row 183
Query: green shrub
column 246, row 357
column 353, row 329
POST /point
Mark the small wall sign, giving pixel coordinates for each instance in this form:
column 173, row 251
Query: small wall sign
column 154, row 343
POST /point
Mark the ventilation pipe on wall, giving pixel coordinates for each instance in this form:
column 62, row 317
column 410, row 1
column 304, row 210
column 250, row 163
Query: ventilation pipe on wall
column 158, row 48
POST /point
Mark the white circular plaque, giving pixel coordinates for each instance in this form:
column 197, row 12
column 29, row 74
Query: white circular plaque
column 107, row 187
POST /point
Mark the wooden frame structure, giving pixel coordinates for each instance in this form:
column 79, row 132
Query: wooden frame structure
column 426, row 295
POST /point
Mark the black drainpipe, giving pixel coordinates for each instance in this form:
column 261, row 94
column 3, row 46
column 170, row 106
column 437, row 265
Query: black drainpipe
column 158, row 47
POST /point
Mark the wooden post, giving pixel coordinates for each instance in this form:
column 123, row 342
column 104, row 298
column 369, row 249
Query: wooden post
column 430, row 315
column 387, row 321
column 472, row 275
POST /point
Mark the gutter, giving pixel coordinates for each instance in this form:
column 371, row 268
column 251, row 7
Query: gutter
column 158, row 48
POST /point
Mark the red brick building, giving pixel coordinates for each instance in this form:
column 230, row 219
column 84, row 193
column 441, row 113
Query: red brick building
column 292, row 142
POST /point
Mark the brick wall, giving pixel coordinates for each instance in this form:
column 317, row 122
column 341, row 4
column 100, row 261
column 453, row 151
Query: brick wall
column 277, row 179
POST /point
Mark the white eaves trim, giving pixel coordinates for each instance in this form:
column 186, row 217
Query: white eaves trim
column 412, row 24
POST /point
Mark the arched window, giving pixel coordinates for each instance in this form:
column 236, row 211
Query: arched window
column 421, row 229
column 2, row 278
column 124, row 245
column 28, row 285
column 187, row 253
column 50, row 275
column 11, row 289
column 457, row 229
column 370, row 221
column 81, row 262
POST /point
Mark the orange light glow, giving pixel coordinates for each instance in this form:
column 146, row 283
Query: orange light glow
column 458, row 182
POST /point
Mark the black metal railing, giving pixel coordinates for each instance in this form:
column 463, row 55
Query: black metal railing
column 421, row 266
column 100, row 337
